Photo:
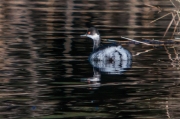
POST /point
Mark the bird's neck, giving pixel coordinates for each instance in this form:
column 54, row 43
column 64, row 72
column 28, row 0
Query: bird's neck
column 96, row 44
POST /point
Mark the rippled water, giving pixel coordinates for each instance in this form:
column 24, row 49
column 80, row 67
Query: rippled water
column 45, row 72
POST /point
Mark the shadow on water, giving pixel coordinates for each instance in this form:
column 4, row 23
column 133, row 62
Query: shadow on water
column 45, row 69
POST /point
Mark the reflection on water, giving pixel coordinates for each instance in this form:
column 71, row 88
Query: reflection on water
column 45, row 69
column 116, row 67
column 94, row 82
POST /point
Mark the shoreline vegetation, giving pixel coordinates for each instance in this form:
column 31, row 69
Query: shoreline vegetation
column 174, row 13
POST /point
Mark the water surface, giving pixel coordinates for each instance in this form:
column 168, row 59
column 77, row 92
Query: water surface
column 45, row 72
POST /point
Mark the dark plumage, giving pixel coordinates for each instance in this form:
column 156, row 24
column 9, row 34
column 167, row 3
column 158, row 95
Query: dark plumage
column 110, row 52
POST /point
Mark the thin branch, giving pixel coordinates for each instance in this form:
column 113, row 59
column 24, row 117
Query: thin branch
column 135, row 41
column 150, row 5
column 174, row 17
column 161, row 17
column 178, row 16
column 169, row 25
column 143, row 52
column 175, row 28
column 173, row 4
column 159, row 9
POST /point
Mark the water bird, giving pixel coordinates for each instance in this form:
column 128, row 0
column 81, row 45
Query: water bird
column 112, row 52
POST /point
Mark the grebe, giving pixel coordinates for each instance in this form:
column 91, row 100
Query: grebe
column 111, row 52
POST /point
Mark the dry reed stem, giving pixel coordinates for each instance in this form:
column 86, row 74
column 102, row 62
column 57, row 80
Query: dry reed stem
column 169, row 24
column 136, row 41
column 161, row 17
column 159, row 9
column 177, row 23
column 143, row 52
column 172, row 3
column 173, row 18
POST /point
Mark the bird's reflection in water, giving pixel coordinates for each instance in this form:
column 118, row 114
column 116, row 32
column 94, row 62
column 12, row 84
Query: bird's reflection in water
column 94, row 82
column 107, row 67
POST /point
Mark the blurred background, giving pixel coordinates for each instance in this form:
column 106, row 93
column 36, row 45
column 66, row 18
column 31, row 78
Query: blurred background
column 45, row 72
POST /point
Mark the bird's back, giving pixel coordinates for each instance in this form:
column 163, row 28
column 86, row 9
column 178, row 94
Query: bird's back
column 111, row 53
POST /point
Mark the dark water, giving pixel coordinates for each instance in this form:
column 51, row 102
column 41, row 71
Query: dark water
column 45, row 72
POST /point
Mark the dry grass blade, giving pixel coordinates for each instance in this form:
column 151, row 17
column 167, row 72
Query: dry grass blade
column 160, row 17
column 150, row 5
column 170, row 24
column 158, row 8
column 173, row 4
column 136, row 41
column 176, row 23
column 177, row 12
column 174, row 18
column 178, row 15
column 175, row 28
column 143, row 52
